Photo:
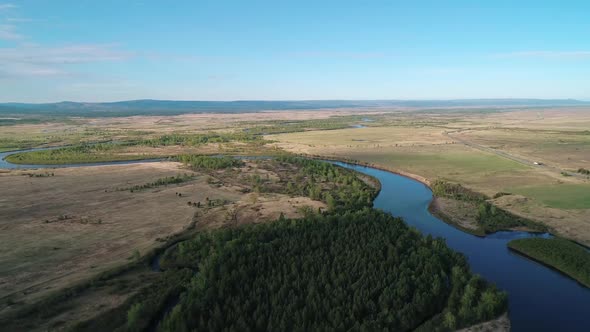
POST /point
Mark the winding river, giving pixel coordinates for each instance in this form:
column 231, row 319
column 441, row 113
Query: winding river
column 540, row 298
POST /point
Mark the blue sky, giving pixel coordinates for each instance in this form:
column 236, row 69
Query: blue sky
column 53, row 50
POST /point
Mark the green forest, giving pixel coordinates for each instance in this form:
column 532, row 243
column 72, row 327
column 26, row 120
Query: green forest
column 363, row 270
column 564, row 255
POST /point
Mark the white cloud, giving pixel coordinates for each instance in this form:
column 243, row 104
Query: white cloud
column 24, row 70
column 4, row 6
column 8, row 32
column 19, row 20
column 34, row 60
column 69, row 54
column 546, row 54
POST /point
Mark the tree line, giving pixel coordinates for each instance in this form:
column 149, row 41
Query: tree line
column 198, row 139
column 161, row 182
column 281, row 126
column 111, row 151
column 83, row 153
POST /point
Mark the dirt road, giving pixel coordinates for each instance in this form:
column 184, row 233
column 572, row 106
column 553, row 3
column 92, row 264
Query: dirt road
column 509, row 156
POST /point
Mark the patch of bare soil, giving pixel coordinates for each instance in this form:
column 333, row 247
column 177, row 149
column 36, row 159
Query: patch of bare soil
column 500, row 324
column 462, row 213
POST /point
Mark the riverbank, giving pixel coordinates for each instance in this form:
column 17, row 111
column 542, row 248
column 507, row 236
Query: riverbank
column 450, row 218
column 559, row 254
column 448, row 213
column 489, row 257
column 418, row 178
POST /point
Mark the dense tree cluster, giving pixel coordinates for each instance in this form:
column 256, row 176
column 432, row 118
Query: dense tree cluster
column 584, row 171
column 362, row 270
column 200, row 162
column 340, row 188
column 564, row 255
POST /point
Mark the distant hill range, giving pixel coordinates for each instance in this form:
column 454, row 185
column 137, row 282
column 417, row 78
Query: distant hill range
column 170, row 107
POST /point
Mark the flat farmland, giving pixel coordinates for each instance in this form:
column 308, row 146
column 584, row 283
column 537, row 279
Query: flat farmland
column 540, row 194
column 565, row 149
column 423, row 151
column 563, row 196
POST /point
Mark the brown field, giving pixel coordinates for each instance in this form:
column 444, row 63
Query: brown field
column 103, row 228
column 74, row 130
column 208, row 121
column 462, row 213
column 59, row 230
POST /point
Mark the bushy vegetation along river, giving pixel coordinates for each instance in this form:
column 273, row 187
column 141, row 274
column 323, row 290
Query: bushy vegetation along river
column 540, row 299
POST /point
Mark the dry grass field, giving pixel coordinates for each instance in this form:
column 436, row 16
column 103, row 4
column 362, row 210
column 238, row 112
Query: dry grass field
column 102, row 227
column 565, row 149
column 59, row 230
column 420, row 145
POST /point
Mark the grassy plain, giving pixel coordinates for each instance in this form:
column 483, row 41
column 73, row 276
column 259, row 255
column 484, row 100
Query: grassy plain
column 66, row 131
column 419, row 143
column 563, row 196
column 62, row 229
column 423, row 151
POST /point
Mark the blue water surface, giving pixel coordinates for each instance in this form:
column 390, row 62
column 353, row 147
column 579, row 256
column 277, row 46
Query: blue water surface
column 540, row 298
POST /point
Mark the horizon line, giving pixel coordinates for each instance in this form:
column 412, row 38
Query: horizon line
column 299, row 100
